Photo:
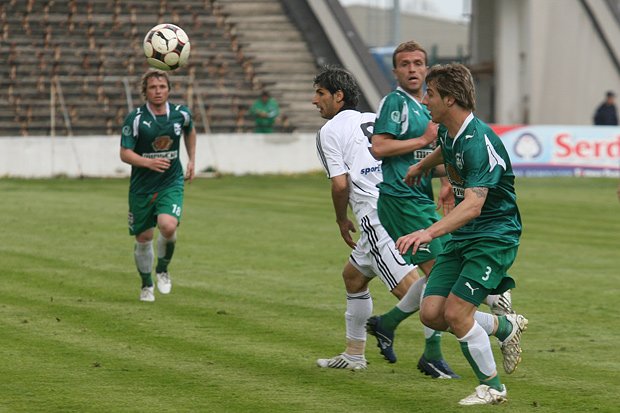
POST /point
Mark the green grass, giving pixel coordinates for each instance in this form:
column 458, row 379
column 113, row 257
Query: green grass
column 257, row 297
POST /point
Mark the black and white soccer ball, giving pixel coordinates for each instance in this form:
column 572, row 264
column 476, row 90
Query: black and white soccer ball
column 166, row 47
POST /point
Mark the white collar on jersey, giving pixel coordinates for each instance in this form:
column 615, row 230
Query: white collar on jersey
column 148, row 107
column 468, row 119
column 400, row 89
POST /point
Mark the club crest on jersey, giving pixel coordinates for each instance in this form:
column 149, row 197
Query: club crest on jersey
column 162, row 143
column 177, row 128
column 395, row 116
column 126, row 130
column 459, row 160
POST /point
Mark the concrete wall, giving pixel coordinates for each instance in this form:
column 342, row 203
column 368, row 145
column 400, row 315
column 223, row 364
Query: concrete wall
column 98, row 156
column 447, row 37
column 550, row 65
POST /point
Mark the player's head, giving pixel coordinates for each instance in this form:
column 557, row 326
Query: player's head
column 410, row 66
column 335, row 89
column 153, row 74
column 455, row 81
column 410, row 46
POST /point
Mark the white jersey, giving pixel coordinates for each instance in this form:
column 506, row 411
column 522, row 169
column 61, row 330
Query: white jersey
column 343, row 147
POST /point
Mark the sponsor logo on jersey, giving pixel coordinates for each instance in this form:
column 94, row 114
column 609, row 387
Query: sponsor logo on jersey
column 177, row 128
column 147, row 123
column 459, row 191
column 454, row 176
column 369, row 170
column 421, row 154
column 162, row 143
column 166, row 155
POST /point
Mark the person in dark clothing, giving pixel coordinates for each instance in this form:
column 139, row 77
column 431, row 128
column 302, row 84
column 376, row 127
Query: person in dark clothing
column 607, row 113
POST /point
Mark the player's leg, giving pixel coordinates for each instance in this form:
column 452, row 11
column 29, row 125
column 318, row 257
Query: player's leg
column 400, row 217
column 358, row 309
column 141, row 225
column 460, row 307
column 384, row 260
column 143, row 257
column 432, row 361
column 169, row 210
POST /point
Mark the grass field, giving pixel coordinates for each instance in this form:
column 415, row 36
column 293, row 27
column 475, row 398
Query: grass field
column 257, row 297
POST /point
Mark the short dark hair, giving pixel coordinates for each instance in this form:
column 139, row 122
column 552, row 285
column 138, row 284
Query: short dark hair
column 334, row 78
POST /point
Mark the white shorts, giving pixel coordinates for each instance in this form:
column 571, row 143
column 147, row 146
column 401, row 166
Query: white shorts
column 376, row 253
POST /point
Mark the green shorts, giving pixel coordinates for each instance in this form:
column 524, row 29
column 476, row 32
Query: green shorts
column 473, row 269
column 143, row 209
column 402, row 216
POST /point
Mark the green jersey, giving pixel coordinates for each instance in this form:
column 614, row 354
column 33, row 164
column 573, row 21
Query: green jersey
column 403, row 117
column 156, row 136
column 476, row 157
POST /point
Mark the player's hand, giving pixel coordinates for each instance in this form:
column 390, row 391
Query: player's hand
column 190, row 171
column 445, row 199
column 159, row 164
column 413, row 240
column 346, row 228
column 430, row 133
column 414, row 175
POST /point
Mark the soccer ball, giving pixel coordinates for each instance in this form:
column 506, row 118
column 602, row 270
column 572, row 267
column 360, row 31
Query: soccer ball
column 166, row 47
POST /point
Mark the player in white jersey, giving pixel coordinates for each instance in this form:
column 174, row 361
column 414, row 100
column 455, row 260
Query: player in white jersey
column 343, row 146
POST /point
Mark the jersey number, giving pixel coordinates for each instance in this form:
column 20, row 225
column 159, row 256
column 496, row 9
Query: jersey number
column 487, row 273
column 367, row 128
column 176, row 210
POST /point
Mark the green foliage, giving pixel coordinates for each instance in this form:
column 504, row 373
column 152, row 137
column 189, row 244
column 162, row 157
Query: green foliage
column 258, row 297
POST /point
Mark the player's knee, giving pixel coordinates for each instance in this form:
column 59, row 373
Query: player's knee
column 354, row 281
column 432, row 318
column 454, row 316
column 167, row 227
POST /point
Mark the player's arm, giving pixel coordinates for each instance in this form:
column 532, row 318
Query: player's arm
column 386, row 145
column 465, row 211
column 445, row 200
column 190, row 147
column 133, row 159
column 340, row 198
column 424, row 167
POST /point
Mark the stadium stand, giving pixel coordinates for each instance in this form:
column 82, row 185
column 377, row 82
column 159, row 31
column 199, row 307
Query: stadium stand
column 73, row 67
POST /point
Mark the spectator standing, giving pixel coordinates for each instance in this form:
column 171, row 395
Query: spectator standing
column 607, row 113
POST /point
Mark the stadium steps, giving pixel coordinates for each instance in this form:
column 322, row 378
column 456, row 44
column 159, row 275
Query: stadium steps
column 238, row 47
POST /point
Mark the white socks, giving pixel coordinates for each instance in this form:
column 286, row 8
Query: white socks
column 479, row 350
column 161, row 244
column 359, row 309
column 143, row 255
column 410, row 303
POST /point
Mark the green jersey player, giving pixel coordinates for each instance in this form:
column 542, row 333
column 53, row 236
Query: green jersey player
column 485, row 226
column 150, row 143
column 403, row 135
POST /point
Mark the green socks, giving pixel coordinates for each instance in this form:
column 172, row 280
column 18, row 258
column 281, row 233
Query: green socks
column 147, row 280
column 432, row 348
column 393, row 318
column 504, row 328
